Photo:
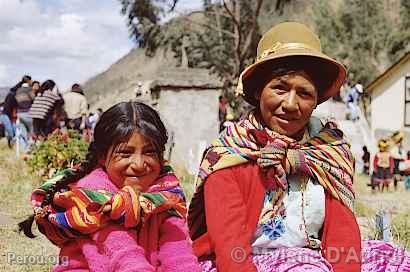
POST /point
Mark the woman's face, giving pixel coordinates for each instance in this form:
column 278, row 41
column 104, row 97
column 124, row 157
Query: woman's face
column 35, row 87
column 134, row 163
column 286, row 103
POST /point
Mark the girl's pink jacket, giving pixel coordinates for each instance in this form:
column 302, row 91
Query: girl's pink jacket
column 162, row 244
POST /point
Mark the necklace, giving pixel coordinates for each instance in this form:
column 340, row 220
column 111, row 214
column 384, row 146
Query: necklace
column 311, row 243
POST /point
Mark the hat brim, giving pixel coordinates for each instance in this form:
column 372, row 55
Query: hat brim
column 398, row 137
column 334, row 72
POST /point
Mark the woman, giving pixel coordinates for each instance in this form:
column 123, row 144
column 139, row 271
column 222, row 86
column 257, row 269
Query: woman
column 35, row 88
column 398, row 155
column 275, row 189
column 46, row 102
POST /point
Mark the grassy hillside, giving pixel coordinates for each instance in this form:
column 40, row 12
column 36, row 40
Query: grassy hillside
column 331, row 23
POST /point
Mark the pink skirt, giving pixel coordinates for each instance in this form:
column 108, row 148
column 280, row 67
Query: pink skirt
column 377, row 256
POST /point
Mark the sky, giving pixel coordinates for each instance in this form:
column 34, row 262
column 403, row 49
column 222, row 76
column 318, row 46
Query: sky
column 64, row 40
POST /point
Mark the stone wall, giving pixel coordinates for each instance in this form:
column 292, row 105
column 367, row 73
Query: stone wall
column 191, row 116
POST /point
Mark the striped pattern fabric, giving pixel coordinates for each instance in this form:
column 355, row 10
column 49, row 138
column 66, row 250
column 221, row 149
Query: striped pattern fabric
column 78, row 211
column 327, row 157
column 43, row 104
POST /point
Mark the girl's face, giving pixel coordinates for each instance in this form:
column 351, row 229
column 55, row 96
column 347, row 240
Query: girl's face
column 134, row 163
column 286, row 103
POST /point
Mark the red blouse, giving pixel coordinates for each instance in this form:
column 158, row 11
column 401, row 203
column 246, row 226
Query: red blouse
column 233, row 202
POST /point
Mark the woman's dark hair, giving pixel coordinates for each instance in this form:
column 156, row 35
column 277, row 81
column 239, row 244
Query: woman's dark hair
column 47, row 85
column 75, row 86
column 26, row 78
column 322, row 73
column 115, row 126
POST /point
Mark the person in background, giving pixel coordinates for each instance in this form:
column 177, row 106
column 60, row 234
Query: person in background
column 10, row 111
column 383, row 166
column 10, row 104
column 92, row 122
column 24, row 98
column 8, row 127
column 138, row 90
column 35, row 86
column 404, row 168
column 93, row 119
column 398, row 155
column 353, row 100
column 47, row 100
column 366, row 160
column 75, row 107
column 89, row 124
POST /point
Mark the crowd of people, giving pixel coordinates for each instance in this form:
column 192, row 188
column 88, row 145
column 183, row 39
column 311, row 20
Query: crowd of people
column 391, row 164
column 32, row 110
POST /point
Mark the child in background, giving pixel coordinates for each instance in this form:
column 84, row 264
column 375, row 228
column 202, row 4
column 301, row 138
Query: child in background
column 383, row 167
column 405, row 170
column 123, row 209
column 398, row 155
column 366, row 160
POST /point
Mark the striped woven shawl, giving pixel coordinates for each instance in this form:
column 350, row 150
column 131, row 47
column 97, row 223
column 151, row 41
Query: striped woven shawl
column 327, row 156
column 78, row 211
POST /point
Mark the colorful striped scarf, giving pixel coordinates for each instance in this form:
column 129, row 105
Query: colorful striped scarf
column 79, row 211
column 326, row 158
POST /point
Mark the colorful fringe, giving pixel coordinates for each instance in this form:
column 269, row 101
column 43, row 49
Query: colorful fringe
column 327, row 157
column 80, row 211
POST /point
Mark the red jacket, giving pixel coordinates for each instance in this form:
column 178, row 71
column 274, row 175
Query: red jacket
column 233, row 202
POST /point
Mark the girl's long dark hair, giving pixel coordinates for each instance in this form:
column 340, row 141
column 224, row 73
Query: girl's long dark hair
column 115, row 126
column 47, row 85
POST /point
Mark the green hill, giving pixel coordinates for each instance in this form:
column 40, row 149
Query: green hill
column 367, row 36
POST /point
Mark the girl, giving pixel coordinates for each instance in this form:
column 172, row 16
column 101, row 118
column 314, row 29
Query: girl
column 122, row 209
column 383, row 165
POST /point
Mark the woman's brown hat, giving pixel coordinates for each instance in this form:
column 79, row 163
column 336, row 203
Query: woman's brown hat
column 397, row 136
column 293, row 40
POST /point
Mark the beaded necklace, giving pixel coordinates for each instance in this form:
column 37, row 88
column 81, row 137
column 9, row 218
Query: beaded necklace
column 304, row 181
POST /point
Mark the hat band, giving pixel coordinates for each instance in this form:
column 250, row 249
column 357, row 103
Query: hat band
column 284, row 46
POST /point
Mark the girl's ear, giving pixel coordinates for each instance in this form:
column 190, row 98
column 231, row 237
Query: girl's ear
column 102, row 162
